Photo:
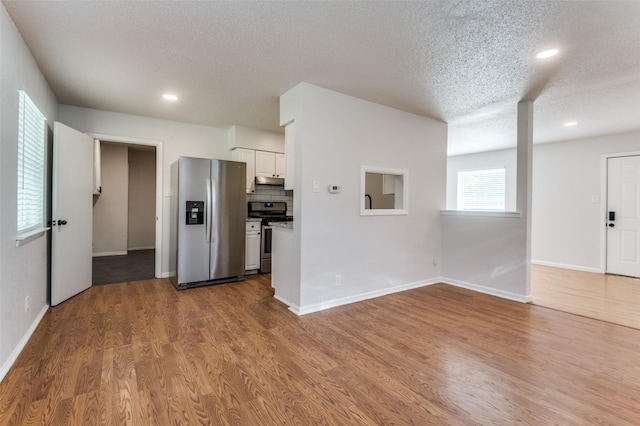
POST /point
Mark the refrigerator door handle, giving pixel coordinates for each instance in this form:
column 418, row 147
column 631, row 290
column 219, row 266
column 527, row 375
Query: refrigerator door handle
column 212, row 210
column 208, row 212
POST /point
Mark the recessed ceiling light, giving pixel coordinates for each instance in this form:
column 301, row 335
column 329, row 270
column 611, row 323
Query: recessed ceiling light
column 170, row 97
column 547, row 53
column 570, row 123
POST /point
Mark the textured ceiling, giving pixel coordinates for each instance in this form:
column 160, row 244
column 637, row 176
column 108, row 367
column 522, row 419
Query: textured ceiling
column 464, row 62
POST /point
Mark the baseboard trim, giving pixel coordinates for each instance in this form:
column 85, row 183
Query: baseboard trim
column 487, row 290
column 22, row 343
column 110, row 253
column 167, row 274
column 566, row 266
column 141, row 248
column 292, row 306
column 303, row 310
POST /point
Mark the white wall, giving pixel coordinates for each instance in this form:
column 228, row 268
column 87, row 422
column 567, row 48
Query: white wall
column 178, row 139
column 23, row 270
column 110, row 209
column 490, row 251
column 566, row 223
column 505, row 158
column 142, row 206
column 337, row 134
column 486, row 254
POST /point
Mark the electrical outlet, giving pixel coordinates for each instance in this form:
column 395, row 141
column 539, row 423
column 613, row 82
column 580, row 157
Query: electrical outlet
column 338, row 280
column 316, row 186
column 435, row 261
column 26, row 304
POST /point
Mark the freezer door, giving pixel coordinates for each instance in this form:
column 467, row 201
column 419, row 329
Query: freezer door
column 228, row 221
column 193, row 249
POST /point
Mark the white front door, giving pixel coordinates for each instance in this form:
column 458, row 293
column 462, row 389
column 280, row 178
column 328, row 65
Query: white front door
column 72, row 218
column 623, row 215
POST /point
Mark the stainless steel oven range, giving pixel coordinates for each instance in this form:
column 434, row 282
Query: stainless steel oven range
column 269, row 212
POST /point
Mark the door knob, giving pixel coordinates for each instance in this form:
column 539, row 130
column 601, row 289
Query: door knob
column 62, row 222
column 51, row 223
column 611, row 225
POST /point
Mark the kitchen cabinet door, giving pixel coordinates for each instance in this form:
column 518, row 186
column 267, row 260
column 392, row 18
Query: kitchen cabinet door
column 247, row 156
column 281, row 166
column 265, row 163
column 252, row 254
column 270, row 164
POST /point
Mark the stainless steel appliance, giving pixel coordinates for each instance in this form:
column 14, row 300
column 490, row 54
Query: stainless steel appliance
column 268, row 212
column 211, row 222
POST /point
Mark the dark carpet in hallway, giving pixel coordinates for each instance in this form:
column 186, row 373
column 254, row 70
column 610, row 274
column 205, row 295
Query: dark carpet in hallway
column 135, row 266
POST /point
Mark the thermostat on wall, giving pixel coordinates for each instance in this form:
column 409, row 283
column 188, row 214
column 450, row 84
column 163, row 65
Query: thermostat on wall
column 335, row 189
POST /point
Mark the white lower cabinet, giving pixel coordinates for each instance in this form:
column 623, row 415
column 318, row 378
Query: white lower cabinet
column 252, row 246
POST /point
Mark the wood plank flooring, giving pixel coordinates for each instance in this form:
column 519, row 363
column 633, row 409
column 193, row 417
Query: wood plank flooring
column 611, row 298
column 143, row 353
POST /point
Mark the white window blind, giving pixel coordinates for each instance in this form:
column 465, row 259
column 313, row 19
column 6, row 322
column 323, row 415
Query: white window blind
column 31, row 141
column 481, row 190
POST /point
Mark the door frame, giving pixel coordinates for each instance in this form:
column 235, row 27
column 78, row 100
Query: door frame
column 604, row 200
column 159, row 179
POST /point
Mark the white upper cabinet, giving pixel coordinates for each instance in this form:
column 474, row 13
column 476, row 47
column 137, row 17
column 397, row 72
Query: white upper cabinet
column 270, row 164
column 281, row 165
column 247, row 156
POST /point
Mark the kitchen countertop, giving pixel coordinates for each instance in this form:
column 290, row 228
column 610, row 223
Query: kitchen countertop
column 284, row 225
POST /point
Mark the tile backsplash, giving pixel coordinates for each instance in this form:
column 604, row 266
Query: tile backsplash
column 272, row 193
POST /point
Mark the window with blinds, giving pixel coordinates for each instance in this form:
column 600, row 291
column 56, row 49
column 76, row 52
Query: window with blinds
column 31, row 152
column 481, row 190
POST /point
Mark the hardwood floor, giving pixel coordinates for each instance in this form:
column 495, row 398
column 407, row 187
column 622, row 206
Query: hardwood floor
column 611, row 298
column 145, row 353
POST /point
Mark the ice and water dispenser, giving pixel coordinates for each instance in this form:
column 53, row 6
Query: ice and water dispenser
column 195, row 212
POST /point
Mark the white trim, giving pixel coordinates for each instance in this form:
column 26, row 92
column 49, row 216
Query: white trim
column 24, row 237
column 487, row 290
column 604, row 200
column 566, row 266
column 22, row 343
column 480, row 213
column 159, row 180
column 292, row 306
column 303, row 310
column 167, row 274
column 110, row 253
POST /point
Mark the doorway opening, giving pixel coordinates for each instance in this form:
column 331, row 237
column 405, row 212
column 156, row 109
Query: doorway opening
column 127, row 225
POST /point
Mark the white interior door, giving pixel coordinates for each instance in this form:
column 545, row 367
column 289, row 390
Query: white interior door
column 623, row 210
column 72, row 219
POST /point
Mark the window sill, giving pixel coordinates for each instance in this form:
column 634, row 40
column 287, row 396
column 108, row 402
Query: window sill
column 479, row 213
column 25, row 237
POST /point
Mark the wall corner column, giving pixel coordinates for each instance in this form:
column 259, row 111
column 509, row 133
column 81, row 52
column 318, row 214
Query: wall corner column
column 524, row 178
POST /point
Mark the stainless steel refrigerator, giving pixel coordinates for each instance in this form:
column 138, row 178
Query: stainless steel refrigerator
column 211, row 222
